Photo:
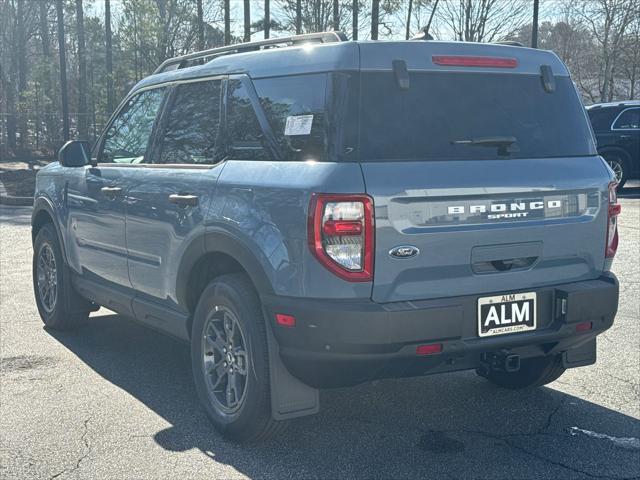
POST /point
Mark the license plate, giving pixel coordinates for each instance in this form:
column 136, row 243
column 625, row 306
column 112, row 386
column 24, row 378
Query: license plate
column 509, row 313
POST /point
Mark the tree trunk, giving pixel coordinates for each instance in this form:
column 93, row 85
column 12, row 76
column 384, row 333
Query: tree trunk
column 63, row 72
column 375, row 18
column 109, row 58
column 21, row 64
column 408, row 30
column 433, row 12
column 83, row 130
column 47, row 84
column 298, row 17
column 247, row 20
column 227, row 23
column 354, row 35
column 200, row 25
column 267, row 18
column 336, row 15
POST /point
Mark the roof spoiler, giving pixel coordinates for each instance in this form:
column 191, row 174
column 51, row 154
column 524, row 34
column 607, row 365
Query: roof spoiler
column 184, row 61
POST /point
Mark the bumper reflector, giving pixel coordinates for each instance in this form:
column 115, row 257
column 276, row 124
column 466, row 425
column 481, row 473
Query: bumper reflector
column 429, row 349
column 285, row 320
column 584, row 327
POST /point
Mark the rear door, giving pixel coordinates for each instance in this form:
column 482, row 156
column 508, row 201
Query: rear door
column 490, row 178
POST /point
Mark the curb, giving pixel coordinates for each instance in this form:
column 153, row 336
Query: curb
column 14, row 201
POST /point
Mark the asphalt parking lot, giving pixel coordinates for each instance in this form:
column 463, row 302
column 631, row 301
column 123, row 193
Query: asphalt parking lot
column 115, row 400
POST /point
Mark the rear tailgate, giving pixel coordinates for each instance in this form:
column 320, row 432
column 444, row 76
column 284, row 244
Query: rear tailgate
column 480, row 160
column 486, row 226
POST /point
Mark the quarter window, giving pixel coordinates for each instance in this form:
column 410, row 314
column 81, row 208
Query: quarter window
column 127, row 138
column 243, row 130
column 295, row 107
column 629, row 119
column 191, row 132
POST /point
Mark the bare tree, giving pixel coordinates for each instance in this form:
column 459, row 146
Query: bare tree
column 355, row 11
column 247, row 20
column 408, row 25
column 608, row 21
column 109, row 56
column 83, row 128
column 200, row 20
column 64, row 100
column 227, row 22
column 375, row 18
column 298, row 17
column 267, row 18
column 483, row 21
column 336, row 15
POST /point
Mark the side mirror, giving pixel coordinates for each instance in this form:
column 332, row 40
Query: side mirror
column 75, row 153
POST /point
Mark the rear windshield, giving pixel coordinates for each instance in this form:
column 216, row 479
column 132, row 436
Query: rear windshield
column 467, row 116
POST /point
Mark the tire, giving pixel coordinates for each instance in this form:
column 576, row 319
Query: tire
column 59, row 305
column 238, row 405
column 534, row 372
column 619, row 165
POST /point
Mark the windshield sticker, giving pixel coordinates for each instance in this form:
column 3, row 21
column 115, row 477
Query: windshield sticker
column 298, row 125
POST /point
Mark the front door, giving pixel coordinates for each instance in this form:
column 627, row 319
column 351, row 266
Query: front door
column 168, row 199
column 97, row 198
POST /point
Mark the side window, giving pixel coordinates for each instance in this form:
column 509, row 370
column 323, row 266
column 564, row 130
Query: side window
column 295, row 107
column 628, row 120
column 600, row 118
column 191, row 132
column 127, row 137
column 244, row 133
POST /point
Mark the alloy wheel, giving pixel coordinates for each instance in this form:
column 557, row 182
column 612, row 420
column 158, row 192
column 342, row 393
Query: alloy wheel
column 47, row 274
column 225, row 360
column 617, row 168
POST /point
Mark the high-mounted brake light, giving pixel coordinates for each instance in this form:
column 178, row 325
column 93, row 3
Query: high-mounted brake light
column 613, row 210
column 340, row 234
column 467, row 61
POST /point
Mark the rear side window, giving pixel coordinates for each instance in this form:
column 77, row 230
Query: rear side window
column 443, row 115
column 601, row 118
column 295, row 108
column 191, row 134
column 629, row 119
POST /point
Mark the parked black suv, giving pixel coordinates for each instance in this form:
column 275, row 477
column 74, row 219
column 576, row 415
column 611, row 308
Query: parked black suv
column 617, row 129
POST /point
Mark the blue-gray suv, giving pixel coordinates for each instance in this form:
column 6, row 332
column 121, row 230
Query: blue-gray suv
column 311, row 212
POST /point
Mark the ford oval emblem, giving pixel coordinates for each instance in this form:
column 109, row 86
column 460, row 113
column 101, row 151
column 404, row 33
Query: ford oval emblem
column 404, row 251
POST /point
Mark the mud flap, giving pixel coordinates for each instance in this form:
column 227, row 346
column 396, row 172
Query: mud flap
column 580, row 356
column 290, row 398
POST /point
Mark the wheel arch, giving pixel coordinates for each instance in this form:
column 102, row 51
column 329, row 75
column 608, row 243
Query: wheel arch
column 216, row 254
column 43, row 213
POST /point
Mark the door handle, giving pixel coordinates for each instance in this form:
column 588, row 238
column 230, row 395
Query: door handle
column 111, row 192
column 183, row 200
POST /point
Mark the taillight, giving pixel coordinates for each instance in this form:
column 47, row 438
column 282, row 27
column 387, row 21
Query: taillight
column 467, row 61
column 613, row 211
column 341, row 234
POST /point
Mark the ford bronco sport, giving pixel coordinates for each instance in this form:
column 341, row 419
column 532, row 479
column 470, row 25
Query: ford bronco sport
column 311, row 212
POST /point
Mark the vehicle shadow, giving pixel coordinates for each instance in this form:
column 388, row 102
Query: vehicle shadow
column 454, row 426
column 629, row 192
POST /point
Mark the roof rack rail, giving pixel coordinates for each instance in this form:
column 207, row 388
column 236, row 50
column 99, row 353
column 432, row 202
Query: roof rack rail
column 512, row 43
column 184, row 60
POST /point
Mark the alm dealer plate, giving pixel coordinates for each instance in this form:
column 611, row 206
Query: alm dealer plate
column 509, row 313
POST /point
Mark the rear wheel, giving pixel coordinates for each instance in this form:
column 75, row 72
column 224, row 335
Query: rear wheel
column 619, row 166
column 230, row 360
column 533, row 372
column 59, row 305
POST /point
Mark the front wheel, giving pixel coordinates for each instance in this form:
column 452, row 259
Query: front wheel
column 230, row 361
column 533, row 372
column 59, row 305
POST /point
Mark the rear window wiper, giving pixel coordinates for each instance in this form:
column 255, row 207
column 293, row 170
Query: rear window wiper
column 503, row 143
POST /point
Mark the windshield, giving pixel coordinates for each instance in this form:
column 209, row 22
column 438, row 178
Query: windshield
column 467, row 116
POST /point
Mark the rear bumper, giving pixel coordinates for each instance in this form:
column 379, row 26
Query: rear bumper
column 339, row 343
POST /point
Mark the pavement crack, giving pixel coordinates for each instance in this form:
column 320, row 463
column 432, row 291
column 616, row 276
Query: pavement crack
column 87, row 450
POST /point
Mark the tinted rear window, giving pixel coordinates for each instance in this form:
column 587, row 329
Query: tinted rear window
column 442, row 107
